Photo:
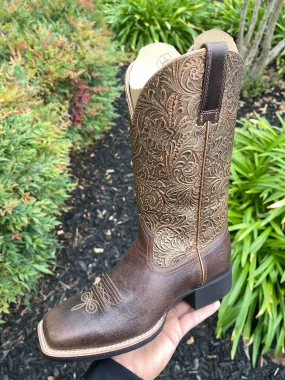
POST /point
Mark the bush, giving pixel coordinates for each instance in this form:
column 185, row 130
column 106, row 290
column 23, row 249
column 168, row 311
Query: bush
column 33, row 185
column 256, row 305
column 136, row 23
column 58, row 70
column 64, row 51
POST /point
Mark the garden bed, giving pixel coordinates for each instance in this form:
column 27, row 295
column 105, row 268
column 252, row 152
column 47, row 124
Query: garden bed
column 96, row 230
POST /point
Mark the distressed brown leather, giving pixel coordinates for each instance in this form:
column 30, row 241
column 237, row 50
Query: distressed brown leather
column 138, row 280
column 216, row 257
column 214, row 82
column 181, row 174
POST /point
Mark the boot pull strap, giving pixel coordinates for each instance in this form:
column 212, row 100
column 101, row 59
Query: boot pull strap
column 214, row 82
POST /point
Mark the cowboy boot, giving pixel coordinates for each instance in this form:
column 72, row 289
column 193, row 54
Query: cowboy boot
column 182, row 129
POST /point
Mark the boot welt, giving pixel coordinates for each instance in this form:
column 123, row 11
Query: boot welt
column 197, row 298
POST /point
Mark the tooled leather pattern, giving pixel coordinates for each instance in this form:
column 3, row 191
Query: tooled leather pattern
column 214, row 202
column 99, row 297
column 167, row 149
column 168, row 152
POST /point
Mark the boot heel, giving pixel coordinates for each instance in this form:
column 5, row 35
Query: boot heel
column 210, row 292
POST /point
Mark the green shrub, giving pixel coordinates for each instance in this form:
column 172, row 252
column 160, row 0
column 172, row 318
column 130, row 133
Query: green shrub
column 58, row 68
column 33, row 185
column 254, row 88
column 136, row 23
column 64, row 51
column 256, row 305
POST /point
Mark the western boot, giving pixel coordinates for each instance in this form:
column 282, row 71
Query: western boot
column 182, row 129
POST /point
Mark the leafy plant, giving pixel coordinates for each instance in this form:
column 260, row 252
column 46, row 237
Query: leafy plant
column 253, row 88
column 57, row 45
column 136, row 23
column 58, row 69
column 256, row 305
column 33, row 185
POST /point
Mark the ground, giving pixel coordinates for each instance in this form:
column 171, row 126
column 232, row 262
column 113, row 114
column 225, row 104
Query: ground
column 96, row 230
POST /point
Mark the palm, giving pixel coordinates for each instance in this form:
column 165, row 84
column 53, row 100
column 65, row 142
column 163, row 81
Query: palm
column 148, row 361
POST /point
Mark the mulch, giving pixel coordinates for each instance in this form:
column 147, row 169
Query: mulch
column 97, row 228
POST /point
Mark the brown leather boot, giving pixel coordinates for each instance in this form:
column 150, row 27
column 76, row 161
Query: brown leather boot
column 182, row 135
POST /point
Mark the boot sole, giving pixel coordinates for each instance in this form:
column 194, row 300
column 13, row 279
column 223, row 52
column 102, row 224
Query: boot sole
column 197, row 298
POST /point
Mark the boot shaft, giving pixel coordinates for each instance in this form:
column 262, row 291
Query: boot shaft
column 182, row 153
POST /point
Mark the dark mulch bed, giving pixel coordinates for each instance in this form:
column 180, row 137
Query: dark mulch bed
column 96, row 231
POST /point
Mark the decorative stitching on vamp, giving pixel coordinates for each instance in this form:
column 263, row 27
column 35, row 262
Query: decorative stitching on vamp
column 101, row 296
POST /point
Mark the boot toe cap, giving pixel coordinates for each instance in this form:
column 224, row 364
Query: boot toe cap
column 61, row 329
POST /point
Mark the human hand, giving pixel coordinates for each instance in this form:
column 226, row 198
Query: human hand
column 148, row 361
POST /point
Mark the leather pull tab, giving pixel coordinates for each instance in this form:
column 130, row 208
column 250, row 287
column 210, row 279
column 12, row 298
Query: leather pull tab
column 214, row 82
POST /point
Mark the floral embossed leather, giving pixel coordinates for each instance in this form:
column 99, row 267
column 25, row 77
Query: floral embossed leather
column 171, row 156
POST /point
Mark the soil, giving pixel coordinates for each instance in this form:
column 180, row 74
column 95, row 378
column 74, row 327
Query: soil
column 96, row 230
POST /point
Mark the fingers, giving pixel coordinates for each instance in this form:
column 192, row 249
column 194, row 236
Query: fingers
column 192, row 319
column 180, row 309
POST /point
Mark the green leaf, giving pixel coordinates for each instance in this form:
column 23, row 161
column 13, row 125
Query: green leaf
column 280, row 341
column 42, row 269
column 240, row 321
column 259, row 242
column 278, row 204
column 238, row 285
column 273, row 214
column 256, row 343
column 252, row 227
